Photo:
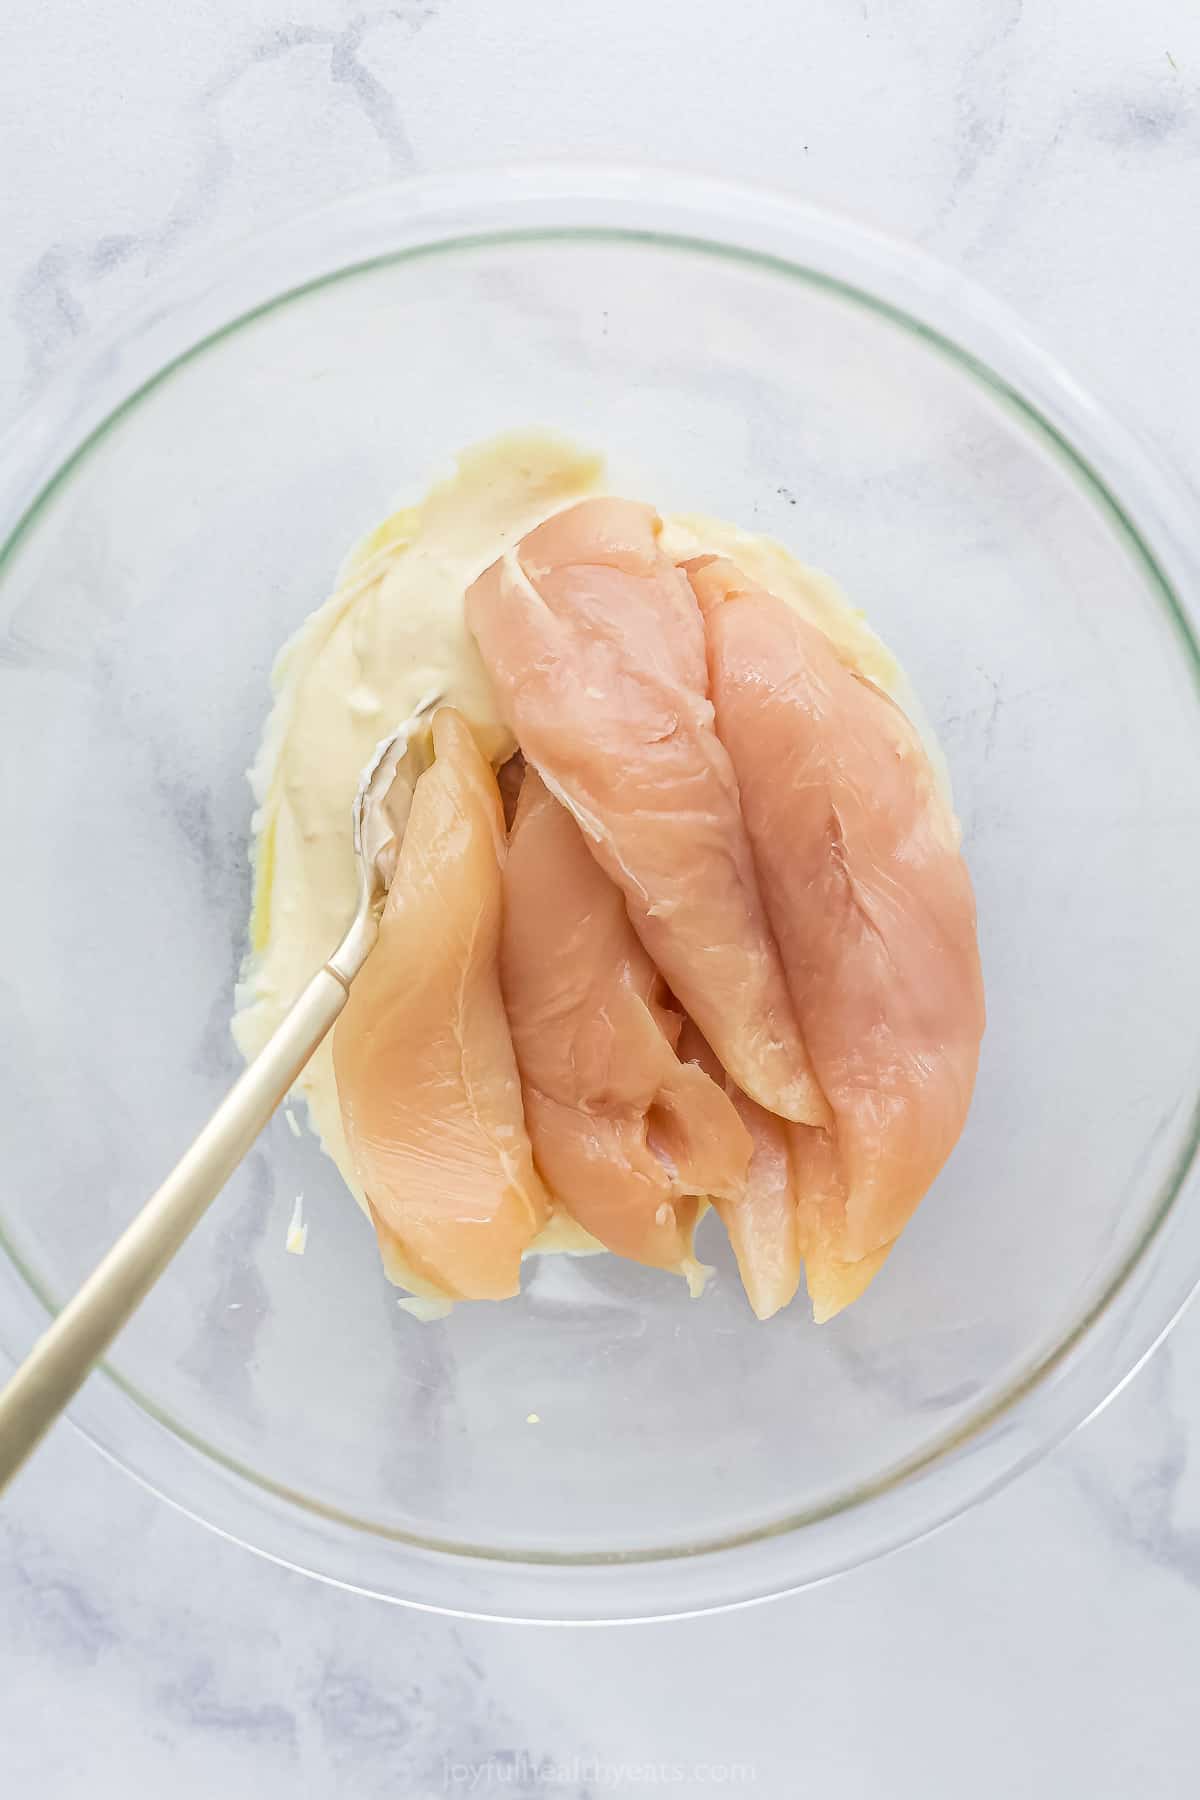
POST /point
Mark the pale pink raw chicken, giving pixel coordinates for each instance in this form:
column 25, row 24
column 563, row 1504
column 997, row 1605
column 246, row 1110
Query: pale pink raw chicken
column 596, row 651
column 426, row 1076
column 761, row 1216
column 626, row 1137
column 872, row 907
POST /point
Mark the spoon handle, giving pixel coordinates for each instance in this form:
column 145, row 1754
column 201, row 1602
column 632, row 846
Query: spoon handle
column 60, row 1360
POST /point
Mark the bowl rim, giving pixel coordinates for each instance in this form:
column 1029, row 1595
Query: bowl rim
column 1145, row 506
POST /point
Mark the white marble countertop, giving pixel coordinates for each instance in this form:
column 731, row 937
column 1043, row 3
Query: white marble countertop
column 1047, row 1644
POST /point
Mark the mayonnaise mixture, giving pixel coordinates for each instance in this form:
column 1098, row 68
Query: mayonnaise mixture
column 392, row 632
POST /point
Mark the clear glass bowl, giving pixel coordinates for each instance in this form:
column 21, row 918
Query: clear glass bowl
column 174, row 510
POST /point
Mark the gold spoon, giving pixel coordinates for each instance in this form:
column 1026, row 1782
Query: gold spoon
column 62, row 1357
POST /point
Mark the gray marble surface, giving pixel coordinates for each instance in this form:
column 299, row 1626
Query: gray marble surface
column 1047, row 1644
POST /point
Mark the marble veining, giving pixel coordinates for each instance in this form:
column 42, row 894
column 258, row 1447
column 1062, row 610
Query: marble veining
column 1143, row 1499
column 51, row 298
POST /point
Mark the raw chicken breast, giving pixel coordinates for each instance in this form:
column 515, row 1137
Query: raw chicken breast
column 760, row 1217
column 625, row 1135
column 596, row 650
column 424, row 1061
column 820, row 1188
column 872, row 907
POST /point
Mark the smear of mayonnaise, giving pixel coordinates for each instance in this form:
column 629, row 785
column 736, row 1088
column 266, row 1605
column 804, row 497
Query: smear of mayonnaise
column 392, row 632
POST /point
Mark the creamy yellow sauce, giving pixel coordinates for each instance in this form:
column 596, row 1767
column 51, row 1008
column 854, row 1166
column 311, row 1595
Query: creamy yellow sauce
column 392, row 632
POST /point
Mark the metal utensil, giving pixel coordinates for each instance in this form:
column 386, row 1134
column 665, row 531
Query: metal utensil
column 61, row 1359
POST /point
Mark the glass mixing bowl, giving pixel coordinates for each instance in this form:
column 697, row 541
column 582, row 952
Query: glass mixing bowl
column 176, row 509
